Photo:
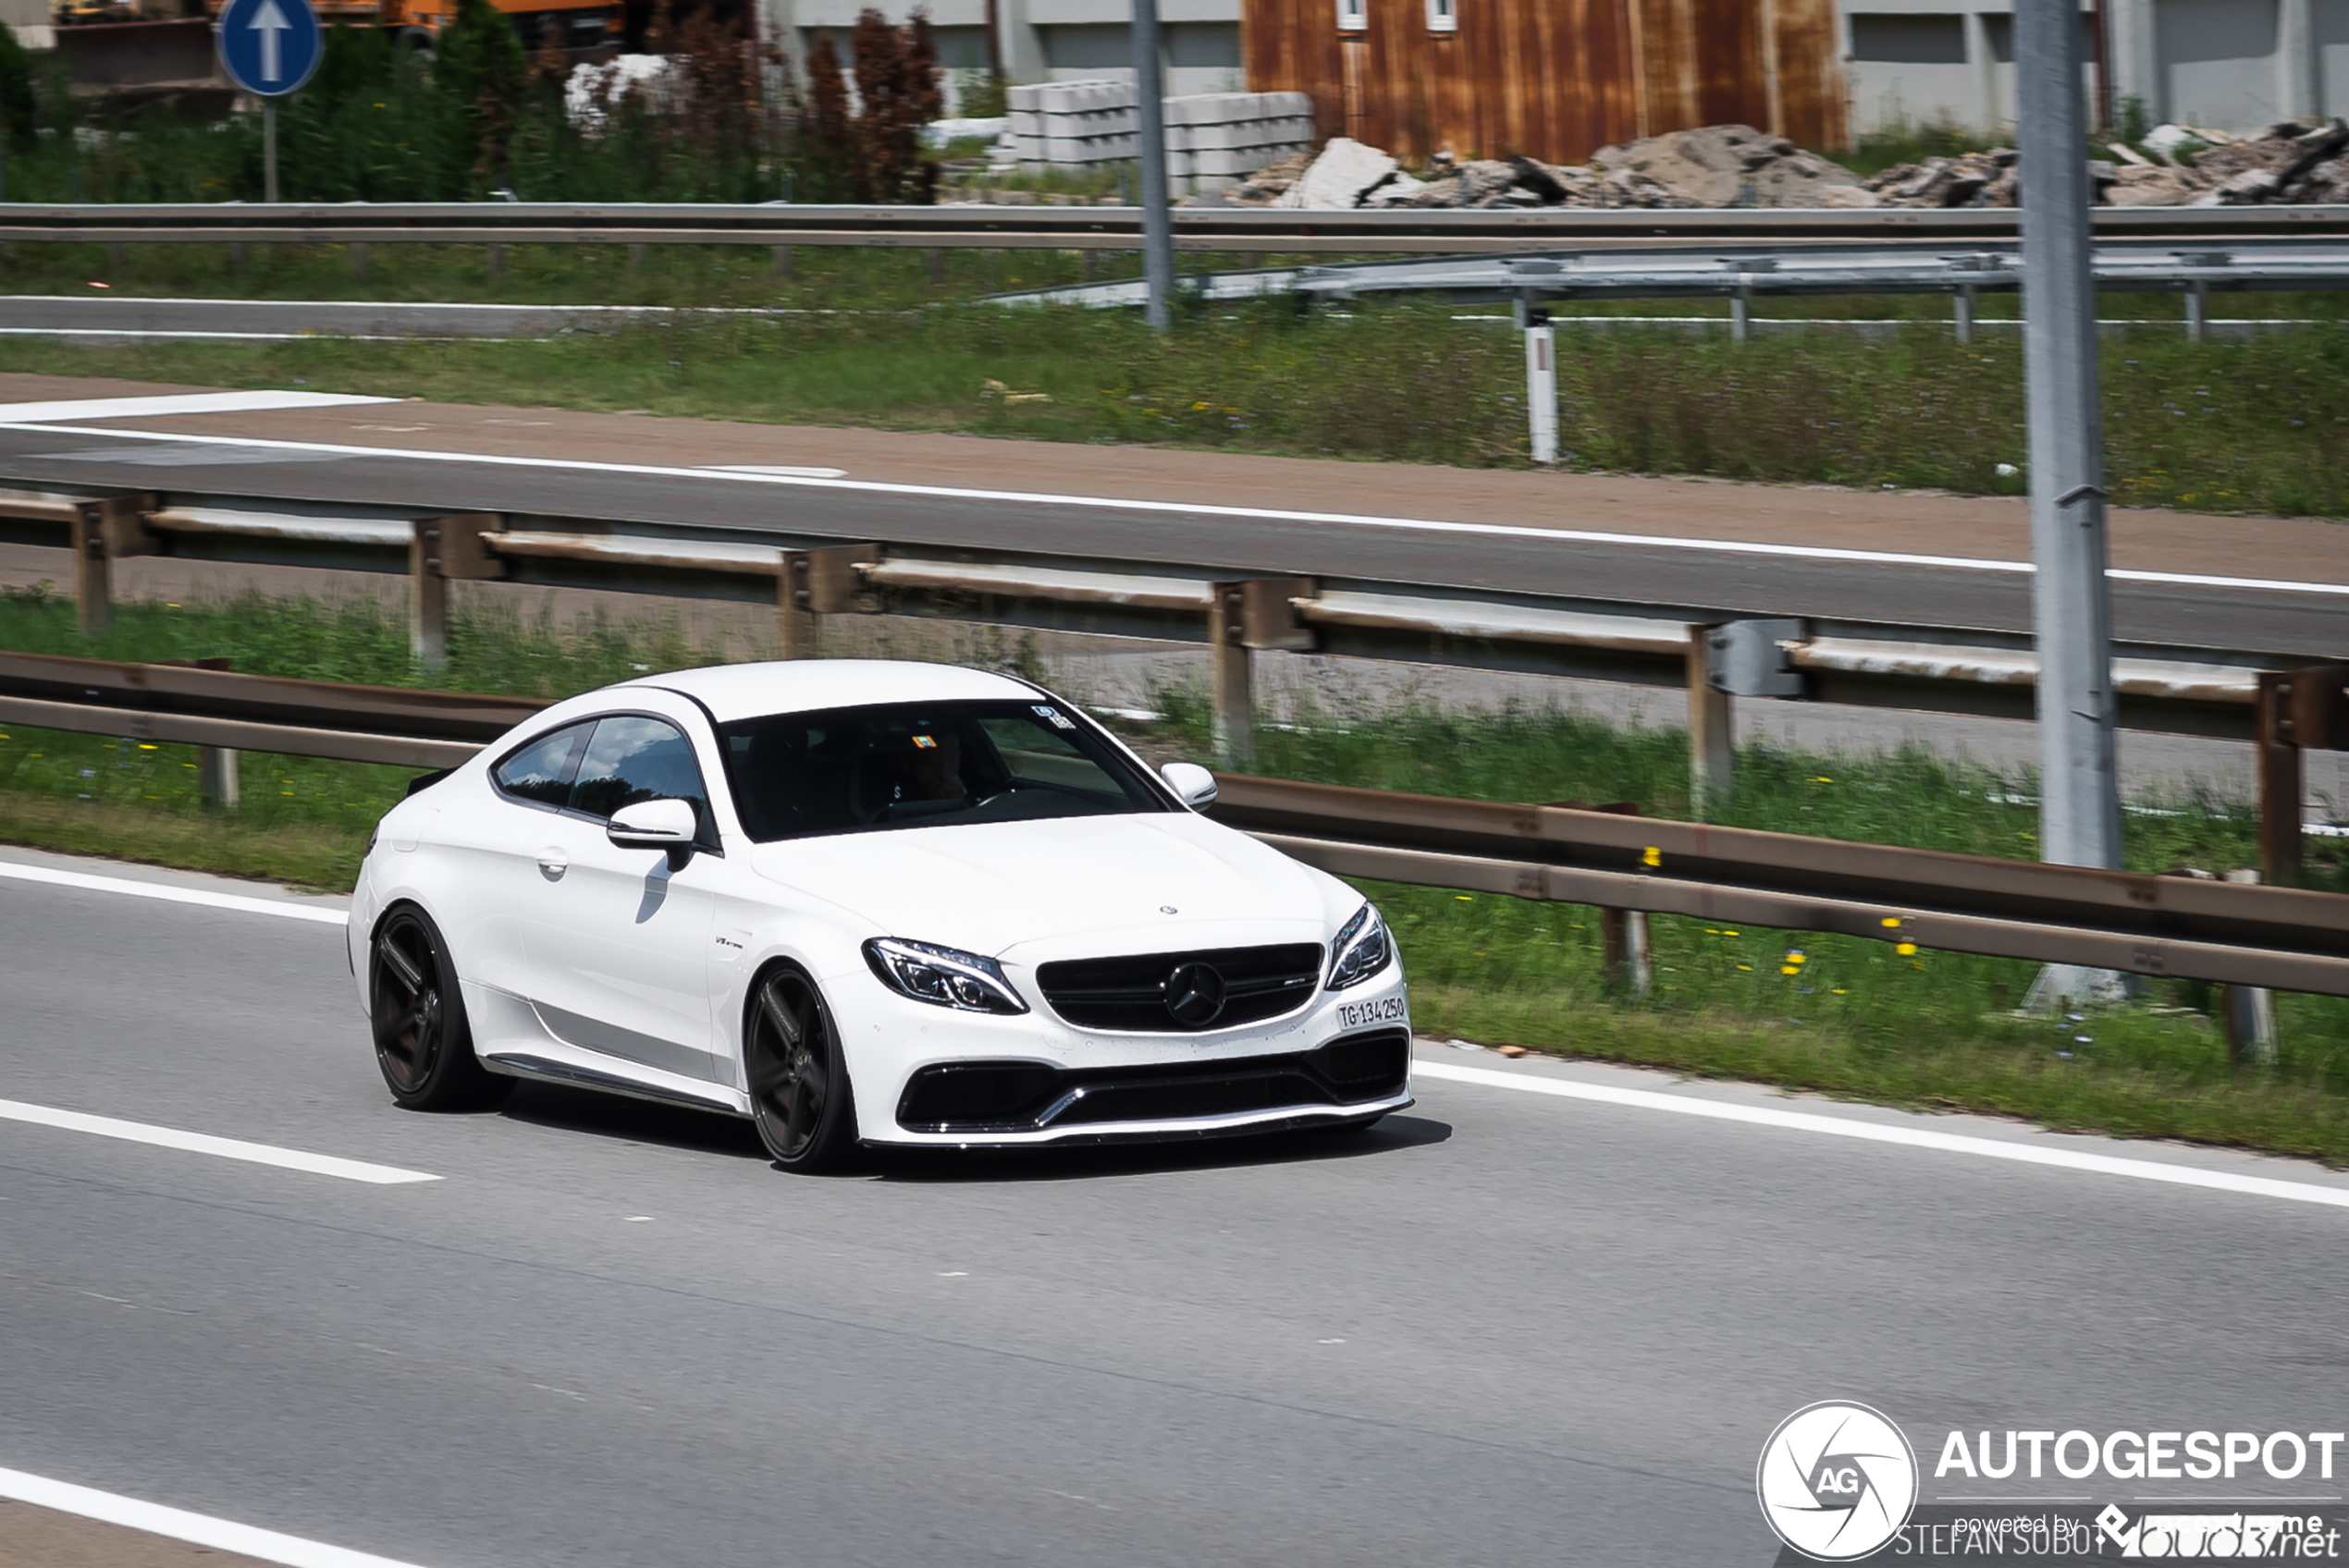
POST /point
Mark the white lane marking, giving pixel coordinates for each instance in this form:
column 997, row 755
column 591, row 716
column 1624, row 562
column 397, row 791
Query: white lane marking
column 178, row 403
column 178, row 1525
column 204, row 1143
column 1877, row 1133
column 783, row 468
column 1186, row 508
column 199, row 896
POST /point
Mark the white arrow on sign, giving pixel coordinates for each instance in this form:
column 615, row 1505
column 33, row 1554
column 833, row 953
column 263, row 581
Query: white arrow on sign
column 269, row 22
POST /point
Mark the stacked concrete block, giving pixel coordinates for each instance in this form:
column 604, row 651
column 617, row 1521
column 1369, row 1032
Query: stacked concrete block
column 1211, row 137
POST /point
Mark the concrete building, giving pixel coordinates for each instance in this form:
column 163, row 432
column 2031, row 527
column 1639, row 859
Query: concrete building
column 1046, row 40
column 2228, row 65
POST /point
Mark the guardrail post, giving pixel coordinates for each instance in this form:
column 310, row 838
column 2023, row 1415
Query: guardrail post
column 2250, row 1013
column 427, row 596
column 217, row 776
column 1231, row 688
column 937, row 259
column 1964, row 319
column 2282, row 779
column 636, row 256
column 456, row 547
column 238, row 256
column 1257, row 615
column 1624, row 953
column 1736, row 659
column 2300, row 710
column 782, row 261
column 93, row 573
column 1740, row 316
column 2197, row 309
column 1713, row 753
column 825, row 580
column 497, row 260
column 103, row 531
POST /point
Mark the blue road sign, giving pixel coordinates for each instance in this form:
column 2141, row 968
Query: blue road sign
column 269, row 46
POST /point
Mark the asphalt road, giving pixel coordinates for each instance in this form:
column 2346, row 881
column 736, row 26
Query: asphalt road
column 1694, row 584
column 1502, row 1329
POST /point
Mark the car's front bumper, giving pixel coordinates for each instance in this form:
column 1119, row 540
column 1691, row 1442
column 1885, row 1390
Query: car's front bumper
column 925, row 1076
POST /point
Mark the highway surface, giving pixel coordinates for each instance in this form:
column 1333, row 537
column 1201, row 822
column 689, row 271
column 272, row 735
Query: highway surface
column 1351, row 531
column 1509, row 1327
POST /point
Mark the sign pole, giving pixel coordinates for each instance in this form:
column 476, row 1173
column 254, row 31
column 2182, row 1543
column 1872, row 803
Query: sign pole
column 269, row 149
column 2072, row 602
column 1149, row 127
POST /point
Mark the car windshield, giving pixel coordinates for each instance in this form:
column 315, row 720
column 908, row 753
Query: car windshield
column 931, row 765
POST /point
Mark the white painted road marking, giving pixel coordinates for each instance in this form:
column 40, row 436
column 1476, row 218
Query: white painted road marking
column 1185, row 509
column 1877, row 1132
column 1638, row 1099
column 178, row 1525
column 199, row 896
column 204, row 1143
column 178, row 403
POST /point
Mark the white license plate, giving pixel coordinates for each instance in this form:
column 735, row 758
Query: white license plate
column 1386, row 1009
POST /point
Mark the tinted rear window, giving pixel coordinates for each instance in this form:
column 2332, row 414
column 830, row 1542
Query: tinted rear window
column 855, row 770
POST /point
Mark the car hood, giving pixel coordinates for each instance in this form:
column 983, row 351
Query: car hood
column 992, row 887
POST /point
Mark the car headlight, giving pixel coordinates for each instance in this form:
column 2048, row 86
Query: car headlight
column 1362, row 949
column 943, row 977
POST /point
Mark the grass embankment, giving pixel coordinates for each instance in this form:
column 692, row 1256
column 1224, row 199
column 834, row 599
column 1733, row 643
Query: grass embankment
column 1812, row 1012
column 2250, row 425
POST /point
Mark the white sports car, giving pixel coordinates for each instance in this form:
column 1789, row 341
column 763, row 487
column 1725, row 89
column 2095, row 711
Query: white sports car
column 867, row 901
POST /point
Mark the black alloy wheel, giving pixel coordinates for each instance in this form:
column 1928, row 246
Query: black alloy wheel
column 422, row 1042
column 799, row 1093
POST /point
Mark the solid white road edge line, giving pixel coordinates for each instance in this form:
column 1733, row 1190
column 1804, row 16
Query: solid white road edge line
column 1877, row 1133
column 178, row 1525
column 1271, row 514
column 156, row 407
column 204, row 897
column 204, row 1143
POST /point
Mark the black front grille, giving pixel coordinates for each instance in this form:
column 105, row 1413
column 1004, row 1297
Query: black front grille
column 1022, row 1096
column 1130, row 993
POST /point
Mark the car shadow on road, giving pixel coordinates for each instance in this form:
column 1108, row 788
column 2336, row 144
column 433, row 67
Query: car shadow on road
column 633, row 1121
column 554, row 1106
column 1392, row 1136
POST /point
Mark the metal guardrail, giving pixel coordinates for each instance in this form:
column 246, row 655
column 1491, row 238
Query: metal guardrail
column 1233, row 229
column 1746, row 270
column 2276, row 937
column 2237, row 695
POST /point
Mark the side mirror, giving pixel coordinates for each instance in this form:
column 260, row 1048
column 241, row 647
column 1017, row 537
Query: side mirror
column 1193, row 784
column 656, row 825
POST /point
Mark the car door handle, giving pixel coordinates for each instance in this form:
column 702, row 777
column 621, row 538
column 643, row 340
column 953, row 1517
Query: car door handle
column 554, row 863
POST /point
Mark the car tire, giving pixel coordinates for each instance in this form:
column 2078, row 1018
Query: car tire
column 424, row 1044
column 800, row 1097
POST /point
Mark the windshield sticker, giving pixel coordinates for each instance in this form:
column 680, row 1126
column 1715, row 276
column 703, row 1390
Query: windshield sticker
column 1053, row 715
column 923, row 744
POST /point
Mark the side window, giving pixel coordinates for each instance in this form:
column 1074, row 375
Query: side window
column 634, row 759
column 541, row 771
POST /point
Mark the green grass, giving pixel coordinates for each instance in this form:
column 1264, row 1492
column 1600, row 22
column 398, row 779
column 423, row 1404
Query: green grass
column 1809, row 1009
column 1854, row 1018
column 2260, row 425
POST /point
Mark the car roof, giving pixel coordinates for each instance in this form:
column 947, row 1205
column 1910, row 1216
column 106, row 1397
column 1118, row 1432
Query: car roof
column 751, row 691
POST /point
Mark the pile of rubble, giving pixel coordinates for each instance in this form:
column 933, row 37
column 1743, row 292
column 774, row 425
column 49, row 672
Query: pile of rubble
column 2292, row 161
column 1735, row 166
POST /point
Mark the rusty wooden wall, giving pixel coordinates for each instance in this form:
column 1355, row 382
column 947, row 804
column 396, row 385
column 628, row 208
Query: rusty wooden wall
column 1553, row 79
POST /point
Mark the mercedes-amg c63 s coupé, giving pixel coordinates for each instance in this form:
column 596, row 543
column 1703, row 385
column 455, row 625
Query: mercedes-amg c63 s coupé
column 866, row 902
